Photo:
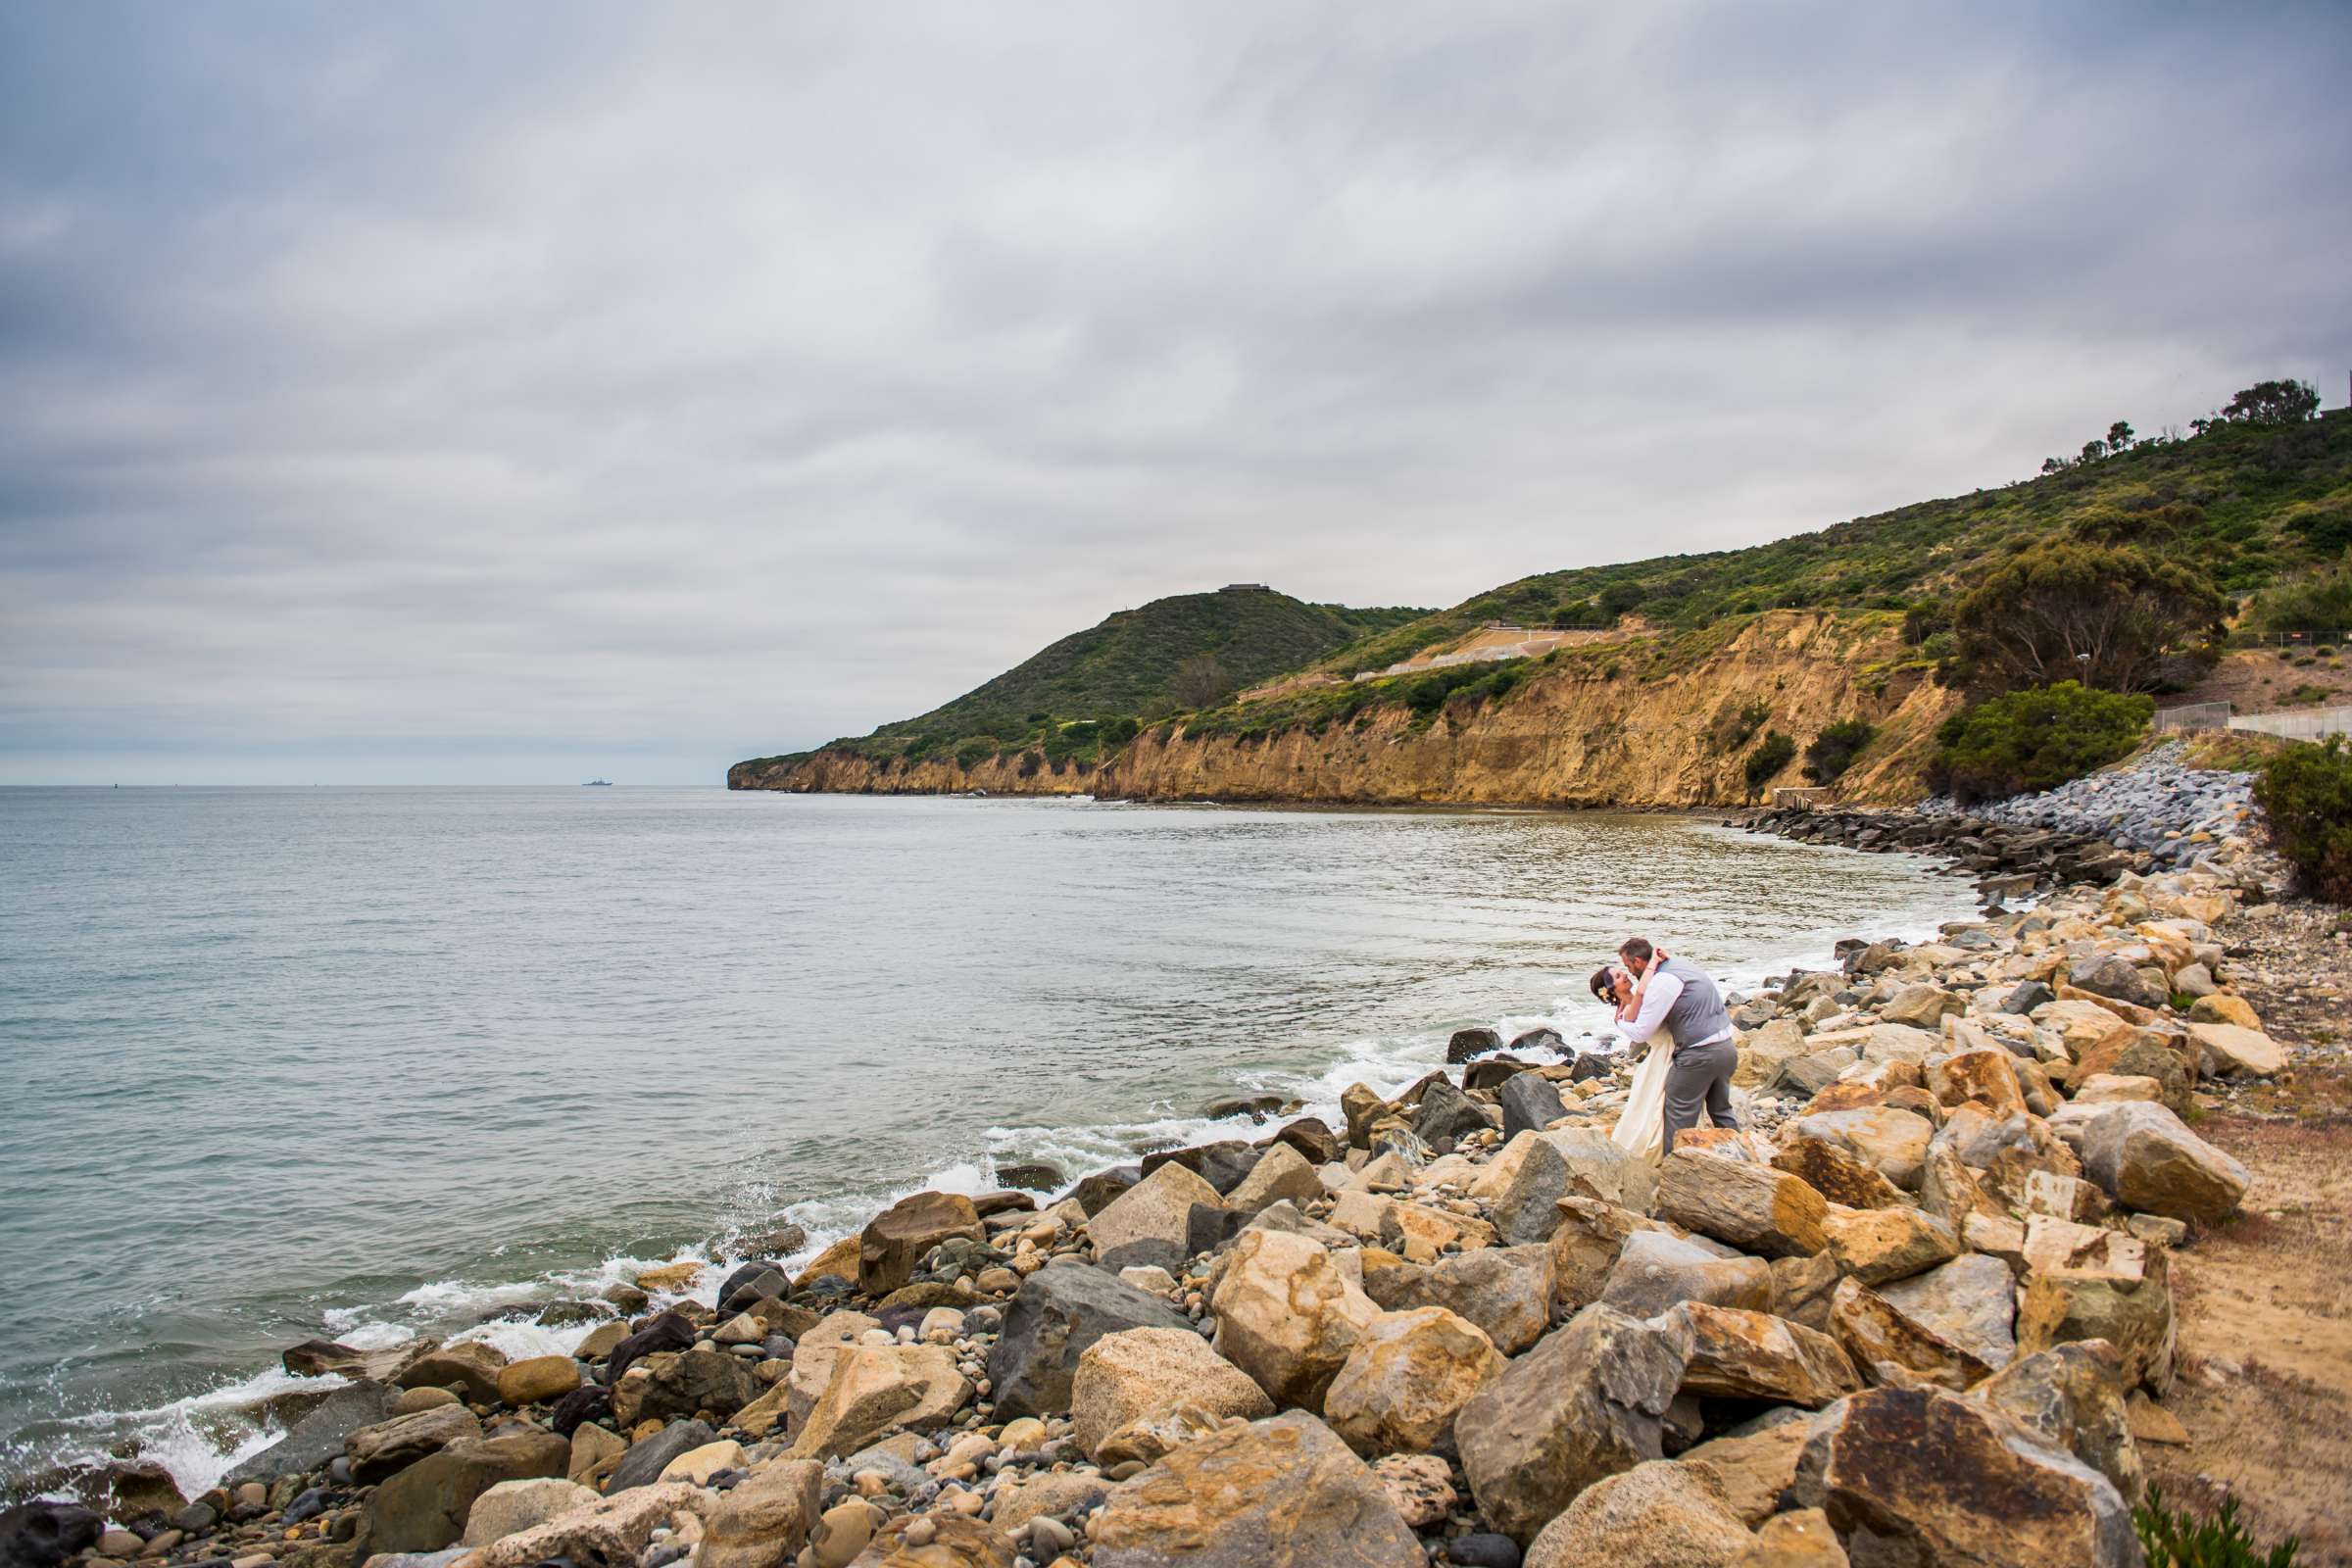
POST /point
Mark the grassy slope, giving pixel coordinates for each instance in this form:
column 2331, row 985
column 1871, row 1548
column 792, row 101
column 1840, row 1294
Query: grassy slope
column 2243, row 504
column 1124, row 667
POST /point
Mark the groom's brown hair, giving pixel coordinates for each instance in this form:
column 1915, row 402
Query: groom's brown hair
column 1637, row 949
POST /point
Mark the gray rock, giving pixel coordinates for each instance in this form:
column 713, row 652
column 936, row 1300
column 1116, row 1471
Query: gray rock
column 645, row 1461
column 1655, row 1270
column 1284, row 1490
column 318, row 1436
column 1586, row 1402
column 1056, row 1314
column 2027, row 997
column 1971, row 1301
column 1447, row 1113
column 2108, row 975
column 1529, row 1101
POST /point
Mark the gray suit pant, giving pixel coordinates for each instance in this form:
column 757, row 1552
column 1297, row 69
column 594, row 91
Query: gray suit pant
column 1700, row 1076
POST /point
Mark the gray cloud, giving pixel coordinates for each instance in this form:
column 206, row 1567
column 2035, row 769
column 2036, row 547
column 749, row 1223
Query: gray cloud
column 447, row 393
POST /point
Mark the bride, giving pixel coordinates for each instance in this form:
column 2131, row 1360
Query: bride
column 1641, row 1126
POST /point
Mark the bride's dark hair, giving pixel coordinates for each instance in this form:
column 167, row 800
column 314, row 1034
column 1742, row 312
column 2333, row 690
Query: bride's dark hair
column 1603, row 987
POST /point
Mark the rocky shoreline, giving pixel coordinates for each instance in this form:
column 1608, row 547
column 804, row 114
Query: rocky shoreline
column 1917, row 1309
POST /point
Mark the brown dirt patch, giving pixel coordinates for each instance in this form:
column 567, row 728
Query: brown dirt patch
column 2264, row 1301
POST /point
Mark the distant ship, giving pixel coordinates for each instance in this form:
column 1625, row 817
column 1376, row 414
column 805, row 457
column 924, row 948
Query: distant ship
column 598, row 784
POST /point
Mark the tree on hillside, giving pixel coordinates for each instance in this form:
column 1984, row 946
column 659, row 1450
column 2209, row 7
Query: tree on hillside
column 2064, row 611
column 2274, row 403
column 2119, row 436
column 1199, row 681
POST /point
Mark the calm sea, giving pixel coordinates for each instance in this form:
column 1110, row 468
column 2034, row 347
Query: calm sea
column 369, row 1061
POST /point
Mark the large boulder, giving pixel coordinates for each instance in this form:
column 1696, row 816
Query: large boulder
column 1836, row 1174
column 1281, row 1172
column 471, row 1367
column 1989, row 1077
column 1288, row 1315
column 1762, row 1052
column 513, row 1506
column 613, row 1531
column 1446, row 1112
column 764, row 1521
column 1736, row 1355
column 423, row 1508
column 1970, row 1301
column 812, row 1356
column 642, row 1465
column 1224, row 1164
column 2107, row 975
column 320, row 1358
column 876, row 1390
column 1890, row 1140
column 1879, row 1244
column 1056, row 1314
column 2086, row 1283
column 1406, row 1381
column 1656, row 1515
column 2072, row 1398
column 684, row 1383
column 2146, row 1159
column 1656, row 1269
column 1505, row 1290
column 1926, row 1478
column 387, row 1447
column 1585, row 1246
column 1528, row 1104
column 538, row 1379
column 667, row 1332
column 947, row 1541
column 43, row 1533
column 1150, row 1223
column 1135, row 1374
column 1469, row 1043
column 1586, row 1402
column 1893, row 1348
column 896, row 1240
column 1755, row 1464
column 1753, row 1207
column 315, row 1438
column 1550, row 1166
column 1282, row 1492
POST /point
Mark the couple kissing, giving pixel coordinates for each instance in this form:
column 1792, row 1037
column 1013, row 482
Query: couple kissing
column 1672, row 1005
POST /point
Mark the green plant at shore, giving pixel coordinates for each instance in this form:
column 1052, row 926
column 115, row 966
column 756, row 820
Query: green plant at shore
column 1773, row 753
column 2306, row 792
column 1834, row 749
column 2174, row 1537
column 2034, row 739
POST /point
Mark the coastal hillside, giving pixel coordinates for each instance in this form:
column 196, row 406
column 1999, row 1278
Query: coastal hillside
column 1698, row 679
column 1185, row 652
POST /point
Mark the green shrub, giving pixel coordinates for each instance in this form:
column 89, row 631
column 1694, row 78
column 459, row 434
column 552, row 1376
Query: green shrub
column 2307, row 793
column 2173, row 1539
column 1734, row 730
column 971, row 754
column 1773, row 753
column 1834, row 749
column 2034, row 739
column 1118, row 731
column 2306, row 694
column 2320, row 601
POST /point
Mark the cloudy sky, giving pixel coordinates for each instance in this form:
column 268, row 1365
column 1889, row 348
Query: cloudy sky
column 449, row 393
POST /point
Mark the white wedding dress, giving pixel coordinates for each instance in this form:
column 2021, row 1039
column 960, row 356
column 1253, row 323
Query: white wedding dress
column 1641, row 1126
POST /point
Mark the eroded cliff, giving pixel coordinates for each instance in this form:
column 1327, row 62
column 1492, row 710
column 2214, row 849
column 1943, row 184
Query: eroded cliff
column 1667, row 722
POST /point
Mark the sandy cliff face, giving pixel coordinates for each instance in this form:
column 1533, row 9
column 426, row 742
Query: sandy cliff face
column 1571, row 735
column 830, row 772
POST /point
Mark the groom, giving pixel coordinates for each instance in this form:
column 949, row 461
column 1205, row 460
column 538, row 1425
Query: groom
column 1682, row 997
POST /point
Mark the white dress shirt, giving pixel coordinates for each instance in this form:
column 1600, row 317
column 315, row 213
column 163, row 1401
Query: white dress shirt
column 1663, row 992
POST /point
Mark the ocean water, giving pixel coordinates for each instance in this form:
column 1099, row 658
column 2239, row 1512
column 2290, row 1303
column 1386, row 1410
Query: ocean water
column 366, row 1062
